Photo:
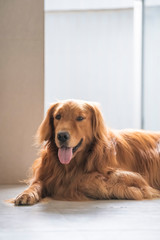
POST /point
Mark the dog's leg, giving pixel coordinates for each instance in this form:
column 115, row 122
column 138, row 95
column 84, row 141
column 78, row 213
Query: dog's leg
column 30, row 196
column 129, row 185
column 117, row 184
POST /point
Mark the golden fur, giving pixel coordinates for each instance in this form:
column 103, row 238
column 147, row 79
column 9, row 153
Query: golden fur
column 108, row 164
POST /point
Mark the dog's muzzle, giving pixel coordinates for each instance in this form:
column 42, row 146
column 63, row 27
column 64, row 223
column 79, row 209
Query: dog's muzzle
column 65, row 154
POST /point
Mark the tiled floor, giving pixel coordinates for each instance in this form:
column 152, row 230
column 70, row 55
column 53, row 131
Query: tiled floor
column 59, row 220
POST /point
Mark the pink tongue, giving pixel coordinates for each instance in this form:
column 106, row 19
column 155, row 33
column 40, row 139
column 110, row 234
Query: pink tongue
column 65, row 155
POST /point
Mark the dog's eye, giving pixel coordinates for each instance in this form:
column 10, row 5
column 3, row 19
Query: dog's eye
column 58, row 117
column 79, row 118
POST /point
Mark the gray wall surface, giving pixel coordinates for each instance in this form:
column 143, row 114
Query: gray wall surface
column 21, row 85
column 151, row 68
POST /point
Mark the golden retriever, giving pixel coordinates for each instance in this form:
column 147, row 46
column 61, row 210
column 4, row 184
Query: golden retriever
column 82, row 159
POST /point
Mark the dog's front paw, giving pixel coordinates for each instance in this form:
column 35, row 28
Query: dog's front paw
column 25, row 199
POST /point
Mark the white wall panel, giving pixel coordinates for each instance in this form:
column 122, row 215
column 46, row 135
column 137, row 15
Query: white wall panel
column 89, row 55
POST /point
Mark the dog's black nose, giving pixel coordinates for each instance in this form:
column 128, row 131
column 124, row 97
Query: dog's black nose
column 63, row 136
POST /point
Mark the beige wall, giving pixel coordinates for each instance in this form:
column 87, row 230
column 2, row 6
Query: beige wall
column 21, row 84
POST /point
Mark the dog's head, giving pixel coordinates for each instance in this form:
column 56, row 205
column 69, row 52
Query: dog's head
column 73, row 125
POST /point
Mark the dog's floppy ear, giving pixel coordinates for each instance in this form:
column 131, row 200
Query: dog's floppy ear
column 46, row 128
column 98, row 125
